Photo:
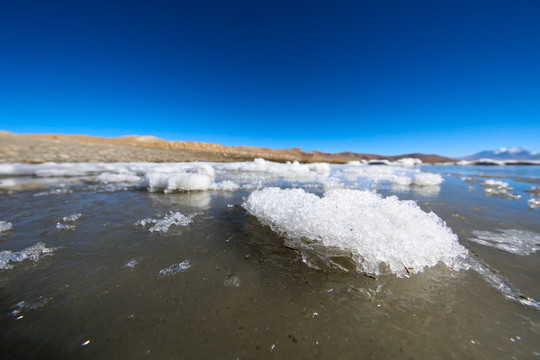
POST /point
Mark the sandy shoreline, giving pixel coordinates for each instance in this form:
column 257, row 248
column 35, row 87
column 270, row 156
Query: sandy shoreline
column 15, row 148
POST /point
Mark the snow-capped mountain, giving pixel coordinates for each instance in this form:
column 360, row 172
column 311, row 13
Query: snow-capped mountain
column 512, row 153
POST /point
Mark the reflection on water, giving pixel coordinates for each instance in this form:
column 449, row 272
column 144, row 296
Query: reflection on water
column 231, row 288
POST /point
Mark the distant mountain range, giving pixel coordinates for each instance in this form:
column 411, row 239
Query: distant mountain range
column 512, row 153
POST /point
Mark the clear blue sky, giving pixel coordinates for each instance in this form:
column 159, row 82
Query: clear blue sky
column 378, row 76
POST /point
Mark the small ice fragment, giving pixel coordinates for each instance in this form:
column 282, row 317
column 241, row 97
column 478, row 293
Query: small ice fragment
column 533, row 203
column 175, row 268
column 5, row 226
column 130, row 264
column 71, row 218
column 61, row 226
column 163, row 225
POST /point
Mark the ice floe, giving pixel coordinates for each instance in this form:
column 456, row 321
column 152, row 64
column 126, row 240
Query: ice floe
column 33, row 253
column 514, row 241
column 379, row 235
column 163, row 224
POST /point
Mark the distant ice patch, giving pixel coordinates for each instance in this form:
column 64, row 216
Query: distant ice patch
column 514, row 241
column 33, row 253
column 175, row 268
column 163, row 224
column 378, row 235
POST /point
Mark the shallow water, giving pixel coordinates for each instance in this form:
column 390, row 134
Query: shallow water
column 219, row 284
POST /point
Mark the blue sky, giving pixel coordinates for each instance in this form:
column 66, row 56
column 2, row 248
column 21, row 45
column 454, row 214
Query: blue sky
column 387, row 77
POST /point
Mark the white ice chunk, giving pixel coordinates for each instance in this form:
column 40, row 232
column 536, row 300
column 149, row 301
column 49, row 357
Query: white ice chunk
column 533, row 203
column 33, row 253
column 514, row 241
column 179, row 181
column 378, row 234
column 427, row 179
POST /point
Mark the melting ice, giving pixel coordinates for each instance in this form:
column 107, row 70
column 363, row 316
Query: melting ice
column 380, row 235
column 514, row 241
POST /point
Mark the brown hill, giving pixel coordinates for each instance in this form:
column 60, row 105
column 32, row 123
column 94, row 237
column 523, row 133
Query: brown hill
column 37, row 148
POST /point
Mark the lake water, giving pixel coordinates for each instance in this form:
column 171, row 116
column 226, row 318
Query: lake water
column 203, row 260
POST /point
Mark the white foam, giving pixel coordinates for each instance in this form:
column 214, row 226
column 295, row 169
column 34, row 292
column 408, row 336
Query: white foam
column 5, row 226
column 514, row 241
column 533, row 203
column 33, row 253
column 163, row 225
column 175, row 268
column 380, row 235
